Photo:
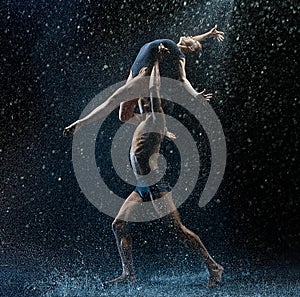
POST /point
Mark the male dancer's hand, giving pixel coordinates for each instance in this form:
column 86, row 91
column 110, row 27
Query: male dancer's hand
column 204, row 98
column 170, row 135
column 162, row 51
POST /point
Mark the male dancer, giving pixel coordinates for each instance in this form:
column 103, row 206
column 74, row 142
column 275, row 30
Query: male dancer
column 146, row 144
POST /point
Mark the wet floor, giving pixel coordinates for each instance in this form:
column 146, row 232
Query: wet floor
column 157, row 276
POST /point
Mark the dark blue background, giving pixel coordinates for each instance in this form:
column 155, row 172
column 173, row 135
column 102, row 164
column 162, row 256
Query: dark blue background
column 55, row 56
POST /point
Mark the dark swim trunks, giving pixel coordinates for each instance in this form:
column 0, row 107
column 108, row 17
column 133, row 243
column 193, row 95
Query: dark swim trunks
column 146, row 191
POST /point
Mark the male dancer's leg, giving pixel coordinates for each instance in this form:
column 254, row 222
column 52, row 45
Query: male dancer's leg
column 190, row 239
column 121, row 230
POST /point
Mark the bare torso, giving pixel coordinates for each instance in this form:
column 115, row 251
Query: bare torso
column 146, row 141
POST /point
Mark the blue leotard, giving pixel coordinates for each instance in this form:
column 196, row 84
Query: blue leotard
column 148, row 55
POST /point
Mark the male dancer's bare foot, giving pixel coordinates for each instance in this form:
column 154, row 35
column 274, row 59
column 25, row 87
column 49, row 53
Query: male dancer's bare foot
column 121, row 279
column 215, row 275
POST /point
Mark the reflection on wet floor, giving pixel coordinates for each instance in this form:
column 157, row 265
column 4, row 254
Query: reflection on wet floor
column 156, row 277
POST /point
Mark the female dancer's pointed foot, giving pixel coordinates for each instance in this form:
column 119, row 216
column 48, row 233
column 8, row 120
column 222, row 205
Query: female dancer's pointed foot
column 215, row 275
column 124, row 278
column 71, row 129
